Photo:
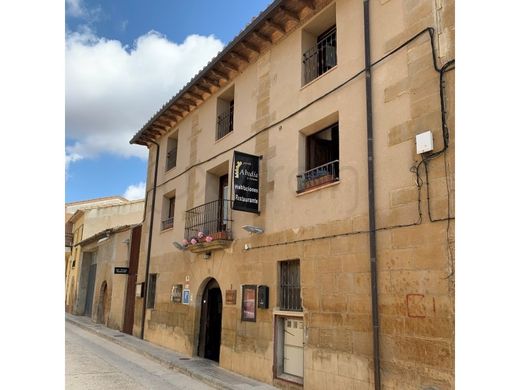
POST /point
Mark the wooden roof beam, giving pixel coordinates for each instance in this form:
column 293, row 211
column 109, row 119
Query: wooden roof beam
column 177, row 113
column 183, row 107
column 196, row 95
column 290, row 14
column 239, row 56
column 211, row 82
column 229, row 66
column 168, row 116
column 309, row 4
column 262, row 37
column 249, row 46
column 219, row 74
column 275, row 26
column 189, row 101
column 203, row 88
column 163, row 121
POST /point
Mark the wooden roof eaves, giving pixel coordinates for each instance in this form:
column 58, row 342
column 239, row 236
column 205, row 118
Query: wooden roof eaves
column 256, row 24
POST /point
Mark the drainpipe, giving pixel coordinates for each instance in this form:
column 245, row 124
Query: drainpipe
column 150, row 230
column 371, row 199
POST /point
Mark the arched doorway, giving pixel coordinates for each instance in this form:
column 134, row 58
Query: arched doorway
column 210, row 321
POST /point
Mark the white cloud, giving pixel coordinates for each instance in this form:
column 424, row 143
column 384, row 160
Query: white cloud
column 75, row 8
column 134, row 192
column 111, row 90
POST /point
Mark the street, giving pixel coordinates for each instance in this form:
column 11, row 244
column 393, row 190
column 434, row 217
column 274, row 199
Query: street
column 94, row 363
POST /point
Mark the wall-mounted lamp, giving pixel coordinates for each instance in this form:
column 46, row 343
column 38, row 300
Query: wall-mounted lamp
column 207, row 255
column 253, row 229
column 102, row 239
column 179, row 246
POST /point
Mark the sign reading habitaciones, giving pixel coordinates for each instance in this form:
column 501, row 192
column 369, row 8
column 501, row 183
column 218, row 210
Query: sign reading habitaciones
column 246, row 182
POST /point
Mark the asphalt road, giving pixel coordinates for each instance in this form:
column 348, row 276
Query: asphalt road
column 95, row 363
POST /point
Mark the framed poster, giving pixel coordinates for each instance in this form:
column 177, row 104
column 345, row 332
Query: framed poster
column 249, row 303
column 186, row 297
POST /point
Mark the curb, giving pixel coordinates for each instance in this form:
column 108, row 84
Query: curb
column 207, row 379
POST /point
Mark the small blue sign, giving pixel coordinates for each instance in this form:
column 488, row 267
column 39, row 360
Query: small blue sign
column 186, row 297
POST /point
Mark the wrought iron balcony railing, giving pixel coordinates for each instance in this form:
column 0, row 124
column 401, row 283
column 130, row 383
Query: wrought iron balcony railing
column 167, row 223
column 326, row 173
column 225, row 123
column 320, row 58
column 213, row 219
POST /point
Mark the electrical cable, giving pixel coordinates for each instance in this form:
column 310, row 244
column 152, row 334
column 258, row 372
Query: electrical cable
column 429, row 30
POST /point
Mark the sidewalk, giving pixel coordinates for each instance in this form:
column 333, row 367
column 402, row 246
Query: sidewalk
column 203, row 370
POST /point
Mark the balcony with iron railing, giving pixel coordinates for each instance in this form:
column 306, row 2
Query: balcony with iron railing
column 320, row 58
column 315, row 177
column 212, row 219
column 225, row 123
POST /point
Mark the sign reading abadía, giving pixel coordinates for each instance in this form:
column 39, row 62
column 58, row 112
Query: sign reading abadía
column 245, row 182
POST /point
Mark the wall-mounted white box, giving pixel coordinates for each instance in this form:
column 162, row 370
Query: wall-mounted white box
column 424, row 142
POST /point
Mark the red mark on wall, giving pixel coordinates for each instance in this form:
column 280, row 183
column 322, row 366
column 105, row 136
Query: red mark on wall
column 415, row 306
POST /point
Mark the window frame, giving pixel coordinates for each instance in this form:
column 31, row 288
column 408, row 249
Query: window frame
column 284, row 286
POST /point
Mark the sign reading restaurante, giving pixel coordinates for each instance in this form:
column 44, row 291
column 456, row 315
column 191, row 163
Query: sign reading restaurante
column 246, row 182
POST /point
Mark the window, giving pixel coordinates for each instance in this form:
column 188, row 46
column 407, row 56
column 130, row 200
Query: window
column 289, row 298
column 171, row 152
column 168, row 213
column 321, row 158
column 225, row 112
column 150, row 296
column 319, row 45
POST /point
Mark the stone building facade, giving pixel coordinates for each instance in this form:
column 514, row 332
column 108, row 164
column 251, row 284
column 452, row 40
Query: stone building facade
column 286, row 295
column 93, row 218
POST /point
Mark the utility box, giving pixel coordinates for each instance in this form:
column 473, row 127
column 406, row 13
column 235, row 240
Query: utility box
column 263, row 297
column 424, row 142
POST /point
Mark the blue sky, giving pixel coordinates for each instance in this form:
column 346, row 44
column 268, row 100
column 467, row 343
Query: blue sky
column 123, row 61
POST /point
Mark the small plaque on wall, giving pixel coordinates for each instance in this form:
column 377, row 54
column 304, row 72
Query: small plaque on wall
column 231, row 297
column 176, row 293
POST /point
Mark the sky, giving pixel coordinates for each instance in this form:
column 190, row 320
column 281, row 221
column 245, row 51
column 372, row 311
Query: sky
column 123, row 60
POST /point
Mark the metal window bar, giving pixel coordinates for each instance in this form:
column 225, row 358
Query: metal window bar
column 167, row 223
column 321, row 57
column 290, row 298
column 225, row 123
column 212, row 219
column 323, row 174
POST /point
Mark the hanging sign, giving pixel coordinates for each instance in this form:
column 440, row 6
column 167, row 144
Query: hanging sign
column 246, row 175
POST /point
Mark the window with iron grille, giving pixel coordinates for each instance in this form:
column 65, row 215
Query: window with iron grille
column 225, row 112
column 321, row 159
column 168, row 213
column 319, row 45
column 150, row 298
column 321, row 57
column 289, row 291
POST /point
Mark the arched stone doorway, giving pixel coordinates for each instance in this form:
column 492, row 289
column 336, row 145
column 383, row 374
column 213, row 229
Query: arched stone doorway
column 210, row 321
